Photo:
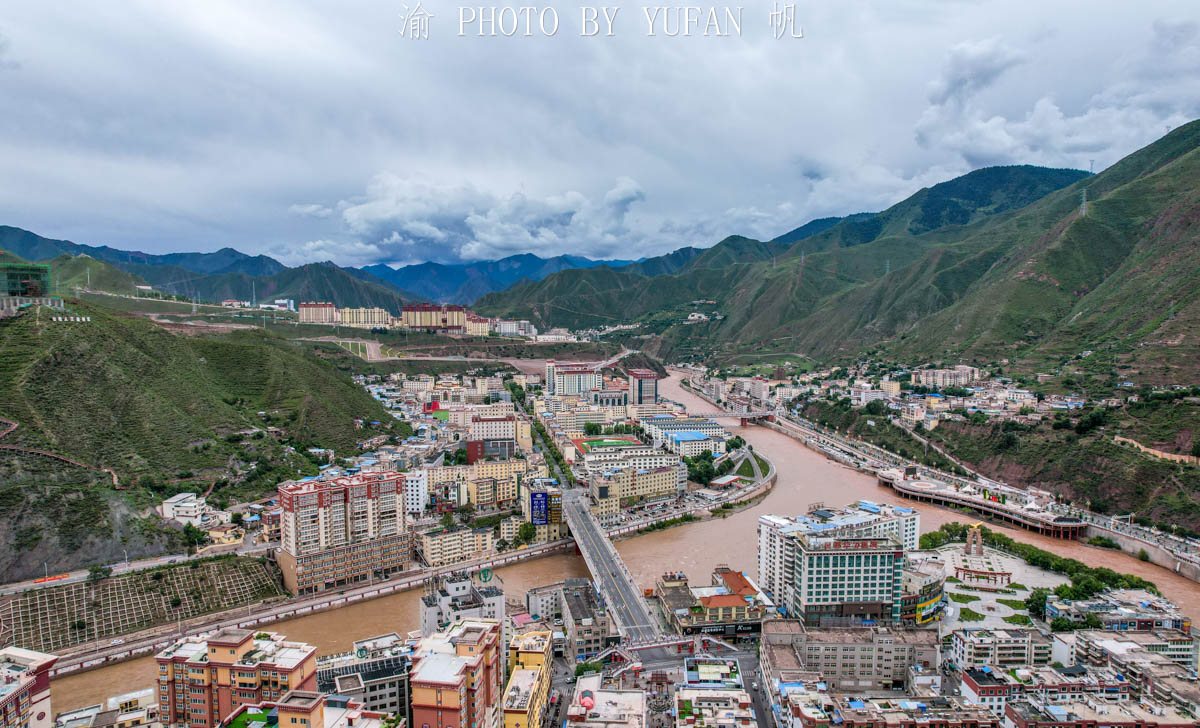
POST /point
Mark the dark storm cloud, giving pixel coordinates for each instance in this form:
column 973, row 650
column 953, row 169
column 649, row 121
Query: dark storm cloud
column 314, row 131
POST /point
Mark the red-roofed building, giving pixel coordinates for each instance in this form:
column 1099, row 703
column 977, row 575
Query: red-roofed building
column 732, row 605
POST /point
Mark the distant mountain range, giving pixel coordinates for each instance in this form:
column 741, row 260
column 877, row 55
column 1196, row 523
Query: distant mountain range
column 228, row 273
column 463, row 283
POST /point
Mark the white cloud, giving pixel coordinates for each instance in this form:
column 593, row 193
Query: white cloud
column 310, row 210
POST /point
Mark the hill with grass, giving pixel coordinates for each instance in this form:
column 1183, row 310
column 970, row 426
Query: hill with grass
column 1002, row 263
column 83, row 271
column 167, row 412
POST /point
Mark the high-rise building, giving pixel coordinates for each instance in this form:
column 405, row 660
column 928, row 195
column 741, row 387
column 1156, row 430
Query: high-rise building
column 202, row 681
column 457, row 677
column 847, row 579
column 528, row 690
column 342, row 530
column 643, row 386
column 778, row 540
column 25, row 688
column 566, row 378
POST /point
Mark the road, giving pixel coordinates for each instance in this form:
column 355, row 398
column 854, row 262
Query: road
column 615, row 582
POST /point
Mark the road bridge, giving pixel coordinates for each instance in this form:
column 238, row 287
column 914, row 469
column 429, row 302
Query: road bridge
column 613, row 580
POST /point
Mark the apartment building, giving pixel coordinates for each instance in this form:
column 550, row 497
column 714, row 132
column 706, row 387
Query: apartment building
column 713, row 707
column 527, row 693
column 618, row 488
column 319, row 312
column 993, row 688
column 588, row 627
column 442, row 546
column 848, row 659
column 502, row 427
column 375, row 672
column 434, row 317
column 1123, row 610
column 1103, row 646
column 592, row 706
column 564, row 378
column 457, row 676
column 25, row 688
column 541, row 505
column 365, row 318
column 342, row 530
column 959, row 376
column 1002, row 648
column 202, row 681
column 477, row 325
column 454, row 598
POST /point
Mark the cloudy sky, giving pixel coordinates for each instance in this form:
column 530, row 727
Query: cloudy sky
column 316, row 130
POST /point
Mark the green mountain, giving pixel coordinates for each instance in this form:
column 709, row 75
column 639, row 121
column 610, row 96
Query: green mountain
column 312, row 282
column 213, row 277
column 124, row 393
column 83, row 271
column 832, row 287
column 167, row 412
column 226, row 260
column 598, row 296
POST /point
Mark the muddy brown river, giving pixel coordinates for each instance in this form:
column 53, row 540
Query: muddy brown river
column 804, row 477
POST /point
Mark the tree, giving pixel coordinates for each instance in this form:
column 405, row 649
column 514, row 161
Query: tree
column 98, row 573
column 1036, row 602
column 237, row 519
column 447, row 520
column 193, row 536
column 592, row 429
column 876, row 407
column 526, row 532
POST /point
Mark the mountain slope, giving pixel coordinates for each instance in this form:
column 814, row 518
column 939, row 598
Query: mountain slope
column 823, row 294
column 312, row 282
column 599, row 296
column 83, row 271
column 465, row 282
column 226, row 260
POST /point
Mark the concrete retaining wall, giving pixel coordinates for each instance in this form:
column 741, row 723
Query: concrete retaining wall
column 1158, row 555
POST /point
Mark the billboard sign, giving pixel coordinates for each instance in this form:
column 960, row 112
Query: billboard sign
column 539, row 508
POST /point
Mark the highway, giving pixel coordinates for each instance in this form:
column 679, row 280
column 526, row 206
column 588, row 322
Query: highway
column 613, row 580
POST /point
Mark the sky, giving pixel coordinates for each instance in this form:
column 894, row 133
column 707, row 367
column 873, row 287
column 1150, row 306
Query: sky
column 314, row 131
